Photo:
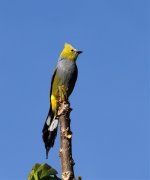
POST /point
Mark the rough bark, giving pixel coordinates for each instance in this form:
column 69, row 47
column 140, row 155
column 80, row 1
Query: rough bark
column 65, row 153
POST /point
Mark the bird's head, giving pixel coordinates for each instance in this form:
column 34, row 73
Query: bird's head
column 69, row 52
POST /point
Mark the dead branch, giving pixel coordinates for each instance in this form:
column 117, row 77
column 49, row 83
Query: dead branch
column 65, row 153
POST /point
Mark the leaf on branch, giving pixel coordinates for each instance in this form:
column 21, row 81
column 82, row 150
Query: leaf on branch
column 43, row 172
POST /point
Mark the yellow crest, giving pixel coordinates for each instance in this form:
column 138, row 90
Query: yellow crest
column 68, row 47
column 69, row 52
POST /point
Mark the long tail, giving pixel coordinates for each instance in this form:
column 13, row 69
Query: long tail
column 49, row 131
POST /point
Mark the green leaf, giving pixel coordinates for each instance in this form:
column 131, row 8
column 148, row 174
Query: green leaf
column 42, row 172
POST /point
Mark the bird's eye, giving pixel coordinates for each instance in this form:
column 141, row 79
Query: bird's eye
column 72, row 50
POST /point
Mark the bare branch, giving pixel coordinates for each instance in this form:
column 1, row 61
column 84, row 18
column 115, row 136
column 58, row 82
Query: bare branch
column 65, row 152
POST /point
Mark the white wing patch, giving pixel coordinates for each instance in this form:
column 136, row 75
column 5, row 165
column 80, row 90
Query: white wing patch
column 53, row 125
column 48, row 120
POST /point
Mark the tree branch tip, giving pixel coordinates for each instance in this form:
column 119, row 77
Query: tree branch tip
column 65, row 152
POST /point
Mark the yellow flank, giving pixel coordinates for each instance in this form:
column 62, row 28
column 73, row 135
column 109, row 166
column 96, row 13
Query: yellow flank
column 69, row 52
column 54, row 104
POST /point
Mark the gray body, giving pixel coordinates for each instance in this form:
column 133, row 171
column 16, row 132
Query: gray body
column 65, row 74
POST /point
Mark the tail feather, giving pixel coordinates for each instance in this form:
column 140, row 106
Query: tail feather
column 49, row 131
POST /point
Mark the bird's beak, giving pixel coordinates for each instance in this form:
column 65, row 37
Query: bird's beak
column 79, row 52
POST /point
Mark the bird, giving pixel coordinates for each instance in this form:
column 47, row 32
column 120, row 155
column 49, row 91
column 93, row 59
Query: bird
column 65, row 74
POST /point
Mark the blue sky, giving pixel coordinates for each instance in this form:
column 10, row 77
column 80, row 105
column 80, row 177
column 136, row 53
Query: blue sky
column 110, row 100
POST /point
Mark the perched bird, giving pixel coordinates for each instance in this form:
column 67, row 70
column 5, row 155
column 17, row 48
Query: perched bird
column 65, row 75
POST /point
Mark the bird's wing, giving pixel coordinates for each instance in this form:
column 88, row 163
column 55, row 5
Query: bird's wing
column 73, row 80
column 49, row 136
column 52, row 80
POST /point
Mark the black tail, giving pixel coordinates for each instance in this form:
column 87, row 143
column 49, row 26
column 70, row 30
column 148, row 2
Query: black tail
column 49, row 131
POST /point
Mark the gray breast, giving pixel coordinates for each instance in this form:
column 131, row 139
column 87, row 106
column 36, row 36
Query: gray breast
column 67, row 71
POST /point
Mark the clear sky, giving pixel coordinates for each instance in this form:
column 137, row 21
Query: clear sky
column 110, row 100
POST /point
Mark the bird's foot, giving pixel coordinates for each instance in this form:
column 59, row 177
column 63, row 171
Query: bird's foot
column 62, row 93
